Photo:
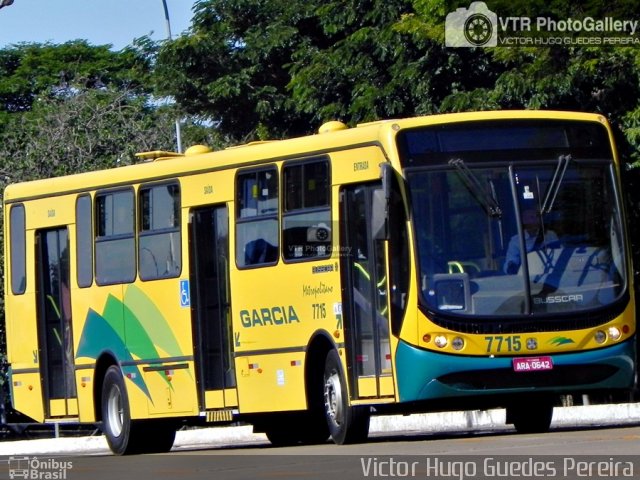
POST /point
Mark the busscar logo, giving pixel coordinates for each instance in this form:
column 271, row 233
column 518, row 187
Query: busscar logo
column 476, row 26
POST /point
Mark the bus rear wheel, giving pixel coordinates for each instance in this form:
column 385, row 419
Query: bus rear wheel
column 124, row 436
column 347, row 424
column 116, row 419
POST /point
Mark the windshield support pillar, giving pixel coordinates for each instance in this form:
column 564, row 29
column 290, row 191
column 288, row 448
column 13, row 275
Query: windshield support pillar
column 523, row 244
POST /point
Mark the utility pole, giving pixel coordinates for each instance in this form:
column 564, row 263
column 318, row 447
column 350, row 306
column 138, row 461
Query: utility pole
column 169, row 37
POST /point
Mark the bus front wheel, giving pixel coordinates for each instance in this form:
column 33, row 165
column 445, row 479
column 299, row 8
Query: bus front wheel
column 347, row 424
column 532, row 416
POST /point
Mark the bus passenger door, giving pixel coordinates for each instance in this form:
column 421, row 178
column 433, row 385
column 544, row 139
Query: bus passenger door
column 55, row 336
column 211, row 308
column 365, row 299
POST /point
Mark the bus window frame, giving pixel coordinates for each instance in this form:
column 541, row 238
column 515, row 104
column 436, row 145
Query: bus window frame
column 110, row 238
column 140, row 233
column 13, row 254
column 315, row 209
column 239, row 221
column 91, row 241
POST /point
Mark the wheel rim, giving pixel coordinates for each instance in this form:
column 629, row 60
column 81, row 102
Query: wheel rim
column 115, row 411
column 333, row 398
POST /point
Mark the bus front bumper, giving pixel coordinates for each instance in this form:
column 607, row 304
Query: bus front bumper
column 427, row 375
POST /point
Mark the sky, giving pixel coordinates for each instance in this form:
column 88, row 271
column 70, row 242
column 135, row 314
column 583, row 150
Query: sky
column 100, row 22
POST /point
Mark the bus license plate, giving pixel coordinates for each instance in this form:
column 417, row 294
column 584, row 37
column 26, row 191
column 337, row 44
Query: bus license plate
column 532, row 364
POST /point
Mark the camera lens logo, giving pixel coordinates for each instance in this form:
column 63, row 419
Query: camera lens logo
column 478, row 29
column 471, row 27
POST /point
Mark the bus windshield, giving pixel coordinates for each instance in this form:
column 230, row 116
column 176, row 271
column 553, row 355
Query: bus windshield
column 476, row 210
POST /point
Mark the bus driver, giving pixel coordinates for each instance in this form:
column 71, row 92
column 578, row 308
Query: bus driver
column 535, row 237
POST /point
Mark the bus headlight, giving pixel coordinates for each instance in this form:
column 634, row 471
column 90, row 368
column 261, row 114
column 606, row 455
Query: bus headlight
column 614, row 333
column 457, row 343
column 600, row 336
column 440, row 341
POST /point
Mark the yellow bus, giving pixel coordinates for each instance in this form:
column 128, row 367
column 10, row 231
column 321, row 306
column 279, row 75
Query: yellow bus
column 303, row 285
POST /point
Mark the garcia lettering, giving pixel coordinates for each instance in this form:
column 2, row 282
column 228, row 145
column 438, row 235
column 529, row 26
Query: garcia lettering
column 261, row 317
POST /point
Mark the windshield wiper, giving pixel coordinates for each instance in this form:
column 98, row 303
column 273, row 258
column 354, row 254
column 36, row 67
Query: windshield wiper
column 486, row 201
column 556, row 181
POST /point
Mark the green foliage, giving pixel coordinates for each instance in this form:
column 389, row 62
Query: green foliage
column 232, row 68
column 581, row 78
column 366, row 71
column 28, row 70
column 265, row 68
column 85, row 130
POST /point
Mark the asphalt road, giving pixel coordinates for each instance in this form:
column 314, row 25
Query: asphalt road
column 569, row 453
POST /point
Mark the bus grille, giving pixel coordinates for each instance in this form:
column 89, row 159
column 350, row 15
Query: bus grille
column 560, row 376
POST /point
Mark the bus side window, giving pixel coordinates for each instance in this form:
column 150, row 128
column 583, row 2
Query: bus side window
column 84, row 241
column 18, row 248
column 306, row 218
column 115, row 239
column 257, row 217
column 159, row 232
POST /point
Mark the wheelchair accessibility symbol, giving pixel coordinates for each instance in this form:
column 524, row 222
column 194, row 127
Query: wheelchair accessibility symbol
column 185, row 295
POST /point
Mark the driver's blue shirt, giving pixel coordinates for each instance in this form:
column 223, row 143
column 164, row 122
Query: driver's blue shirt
column 513, row 259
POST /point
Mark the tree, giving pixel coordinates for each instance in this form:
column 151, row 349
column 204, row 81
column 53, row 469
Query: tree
column 85, row 130
column 359, row 68
column 30, row 69
column 275, row 69
column 575, row 77
column 232, row 66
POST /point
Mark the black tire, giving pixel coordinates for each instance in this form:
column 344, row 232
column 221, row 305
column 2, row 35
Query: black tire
column 531, row 416
column 347, row 424
column 124, row 436
column 284, row 436
column 294, row 429
column 116, row 417
column 158, row 436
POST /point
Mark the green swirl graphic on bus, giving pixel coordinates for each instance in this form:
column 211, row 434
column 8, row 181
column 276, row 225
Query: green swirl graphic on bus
column 559, row 341
column 147, row 331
